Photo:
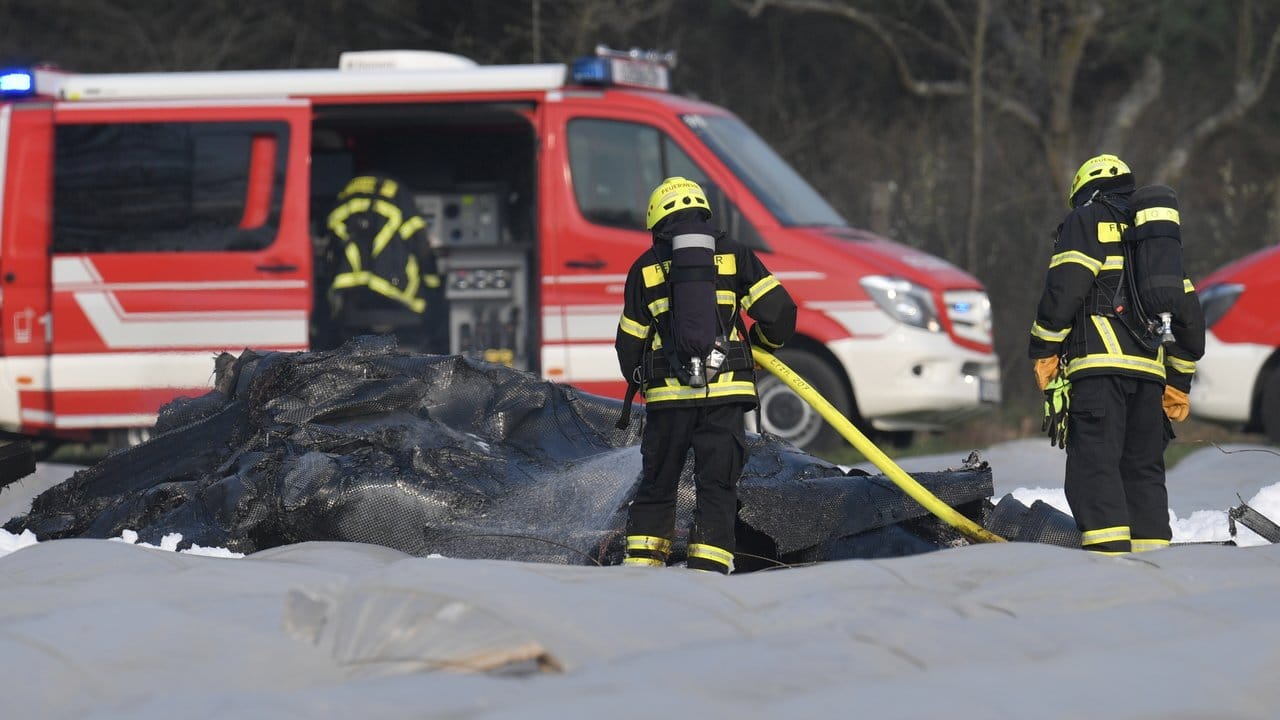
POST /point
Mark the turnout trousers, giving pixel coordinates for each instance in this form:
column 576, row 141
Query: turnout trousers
column 716, row 433
column 1115, row 482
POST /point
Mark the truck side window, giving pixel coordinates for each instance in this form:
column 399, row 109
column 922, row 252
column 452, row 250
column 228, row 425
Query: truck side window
column 168, row 186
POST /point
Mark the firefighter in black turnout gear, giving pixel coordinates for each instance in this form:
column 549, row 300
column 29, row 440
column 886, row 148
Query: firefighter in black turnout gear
column 681, row 339
column 1109, row 399
column 384, row 275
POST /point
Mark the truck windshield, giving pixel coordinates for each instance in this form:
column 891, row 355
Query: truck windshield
column 780, row 188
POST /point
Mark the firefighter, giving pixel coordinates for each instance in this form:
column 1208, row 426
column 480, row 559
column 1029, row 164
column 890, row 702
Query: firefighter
column 682, row 341
column 384, row 275
column 1111, row 398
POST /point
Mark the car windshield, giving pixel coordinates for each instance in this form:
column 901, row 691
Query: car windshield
column 780, row 188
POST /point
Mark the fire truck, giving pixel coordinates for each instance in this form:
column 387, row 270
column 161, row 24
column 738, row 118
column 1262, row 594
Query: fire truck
column 1237, row 382
column 149, row 221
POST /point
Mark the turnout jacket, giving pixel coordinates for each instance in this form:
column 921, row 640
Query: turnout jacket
column 1078, row 319
column 741, row 283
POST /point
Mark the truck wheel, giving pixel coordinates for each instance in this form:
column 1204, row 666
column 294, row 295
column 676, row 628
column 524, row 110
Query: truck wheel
column 1271, row 406
column 786, row 415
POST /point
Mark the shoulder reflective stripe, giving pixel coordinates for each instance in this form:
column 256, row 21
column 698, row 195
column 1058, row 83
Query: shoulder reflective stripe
column 1186, row 367
column 757, row 291
column 1102, row 535
column 655, row 274
column 1108, row 334
column 1187, row 286
column 411, row 226
column 1116, row 362
column 712, row 553
column 1157, row 213
column 648, row 542
column 726, row 264
column 633, row 328
column 338, row 217
column 1144, row 544
column 1044, row 333
column 693, row 240
column 1113, row 262
column 1077, row 257
column 1110, row 232
column 363, row 185
column 389, row 188
column 389, row 211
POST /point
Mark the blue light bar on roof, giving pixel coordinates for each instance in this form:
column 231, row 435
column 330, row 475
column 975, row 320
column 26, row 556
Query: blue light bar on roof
column 17, row 83
column 623, row 72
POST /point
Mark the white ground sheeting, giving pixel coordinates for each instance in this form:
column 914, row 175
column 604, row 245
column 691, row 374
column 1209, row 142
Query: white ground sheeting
column 103, row 629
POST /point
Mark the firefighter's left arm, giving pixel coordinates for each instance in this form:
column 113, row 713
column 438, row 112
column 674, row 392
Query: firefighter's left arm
column 634, row 326
column 1073, row 267
column 767, row 302
column 1188, row 331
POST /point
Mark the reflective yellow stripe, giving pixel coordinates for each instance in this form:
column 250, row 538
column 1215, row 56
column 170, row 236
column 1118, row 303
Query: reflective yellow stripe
column 352, row 253
column 1109, row 232
column 1108, row 334
column 1104, row 535
column 1113, row 262
column 392, row 214
column 712, row 553
column 1157, row 213
column 644, row 562
column 1077, row 257
column 337, row 219
column 726, row 297
column 659, row 306
column 716, row 389
column 431, row 280
column 758, row 290
column 1187, row 286
column 411, row 226
column 1186, row 367
column 379, row 285
column 389, row 188
column 648, row 542
column 726, row 264
column 1044, row 333
column 1143, row 545
column 765, row 339
column 1118, row 362
column 363, row 185
column 633, row 328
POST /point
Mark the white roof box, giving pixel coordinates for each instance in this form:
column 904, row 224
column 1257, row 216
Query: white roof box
column 402, row 60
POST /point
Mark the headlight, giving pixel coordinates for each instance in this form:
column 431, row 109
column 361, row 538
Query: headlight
column 1216, row 300
column 904, row 301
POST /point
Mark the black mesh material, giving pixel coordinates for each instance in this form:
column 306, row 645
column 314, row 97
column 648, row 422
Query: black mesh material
column 441, row 454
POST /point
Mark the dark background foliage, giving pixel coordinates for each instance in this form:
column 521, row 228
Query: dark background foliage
column 953, row 126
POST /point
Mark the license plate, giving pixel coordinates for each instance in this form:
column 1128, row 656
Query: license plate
column 988, row 391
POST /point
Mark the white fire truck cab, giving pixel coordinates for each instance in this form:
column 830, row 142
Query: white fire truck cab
column 149, row 221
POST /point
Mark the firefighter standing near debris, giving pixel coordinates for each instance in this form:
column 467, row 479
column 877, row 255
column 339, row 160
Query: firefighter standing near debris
column 1108, row 400
column 383, row 268
column 682, row 340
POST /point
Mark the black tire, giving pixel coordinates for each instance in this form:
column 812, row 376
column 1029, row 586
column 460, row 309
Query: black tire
column 1270, row 410
column 786, row 415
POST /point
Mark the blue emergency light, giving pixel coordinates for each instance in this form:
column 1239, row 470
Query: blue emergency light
column 17, row 83
column 647, row 69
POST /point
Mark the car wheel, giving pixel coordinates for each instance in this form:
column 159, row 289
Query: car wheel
column 786, row 415
column 1271, row 406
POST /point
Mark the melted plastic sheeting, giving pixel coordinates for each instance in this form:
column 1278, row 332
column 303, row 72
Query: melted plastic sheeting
column 440, row 454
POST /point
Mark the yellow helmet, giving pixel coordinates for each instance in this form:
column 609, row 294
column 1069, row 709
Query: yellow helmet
column 1096, row 168
column 675, row 193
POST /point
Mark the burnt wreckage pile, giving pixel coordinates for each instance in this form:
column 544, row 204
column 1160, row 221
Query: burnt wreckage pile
column 441, row 454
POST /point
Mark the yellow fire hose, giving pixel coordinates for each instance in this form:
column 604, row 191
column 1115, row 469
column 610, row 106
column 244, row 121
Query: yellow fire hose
column 908, row 484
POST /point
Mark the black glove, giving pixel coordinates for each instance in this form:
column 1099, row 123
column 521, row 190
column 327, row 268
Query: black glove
column 1057, row 405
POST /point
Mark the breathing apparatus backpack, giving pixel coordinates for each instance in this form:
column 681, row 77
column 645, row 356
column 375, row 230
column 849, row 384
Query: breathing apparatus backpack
column 693, row 341
column 1151, row 285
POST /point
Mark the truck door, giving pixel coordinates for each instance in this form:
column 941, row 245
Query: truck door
column 179, row 231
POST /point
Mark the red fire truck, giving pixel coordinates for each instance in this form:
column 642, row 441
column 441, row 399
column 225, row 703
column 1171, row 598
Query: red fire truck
column 149, row 221
column 1238, row 380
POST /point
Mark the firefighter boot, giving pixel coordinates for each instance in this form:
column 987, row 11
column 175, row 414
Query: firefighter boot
column 710, row 558
column 647, row 550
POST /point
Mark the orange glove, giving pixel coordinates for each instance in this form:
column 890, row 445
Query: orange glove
column 1176, row 404
column 1046, row 369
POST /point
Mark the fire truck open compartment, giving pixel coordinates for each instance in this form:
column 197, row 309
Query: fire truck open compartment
column 472, row 171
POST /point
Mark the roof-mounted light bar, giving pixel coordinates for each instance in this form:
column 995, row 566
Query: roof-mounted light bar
column 649, row 69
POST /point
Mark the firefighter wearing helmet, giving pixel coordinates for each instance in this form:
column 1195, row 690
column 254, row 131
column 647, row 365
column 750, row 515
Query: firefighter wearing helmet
column 1108, row 399
column 681, row 341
